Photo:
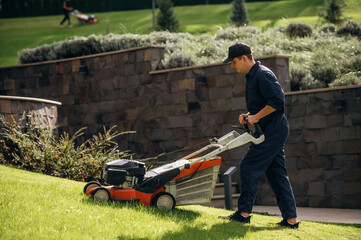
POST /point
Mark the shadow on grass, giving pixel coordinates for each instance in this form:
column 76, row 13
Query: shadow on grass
column 220, row 231
column 176, row 213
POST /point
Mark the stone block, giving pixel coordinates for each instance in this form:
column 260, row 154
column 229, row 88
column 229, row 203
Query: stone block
column 351, row 174
column 352, row 188
column 356, row 118
column 224, row 92
column 316, row 188
column 299, row 99
column 147, row 55
column 330, row 148
column 212, row 70
column 302, row 201
column 332, row 175
column 187, row 84
column 129, row 69
column 296, row 123
column 202, row 93
column 131, row 57
column 351, row 201
column 295, row 136
column 212, row 81
column 161, row 134
column 225, row 80
column 352, row 146
column 316, row 135
column 9, row 84
column 297, row 110
column 316, row 121
column 139, row 56
column 291, row 163
column 178, row 121
column 5, row 106
column 318, row 107
column 309, row 175
column 334, row 120
column 317, row 201
column 142, row 67
column 304, row 162
column 238, row 103
column 300, row 149
column 191, row 96
column 344, row 160
column 335, row 188
column 299, row 188
column 347, row 120
column 349, row 133
column 239, row 90
column 178, row 109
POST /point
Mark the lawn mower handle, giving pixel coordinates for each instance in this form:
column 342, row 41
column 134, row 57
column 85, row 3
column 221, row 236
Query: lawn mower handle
column 227, row 142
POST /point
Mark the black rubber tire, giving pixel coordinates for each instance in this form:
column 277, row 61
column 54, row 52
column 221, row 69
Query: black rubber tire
column 101, row 194
column 164, row 201
column 90, row 185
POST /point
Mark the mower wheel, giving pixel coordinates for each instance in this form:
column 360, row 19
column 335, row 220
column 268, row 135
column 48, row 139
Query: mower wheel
column 101, row 194
column 164, row 201
column 91, row 185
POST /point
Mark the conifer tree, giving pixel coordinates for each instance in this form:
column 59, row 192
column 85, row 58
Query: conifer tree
column 165, row 18
column 239, row 13
column 332, row 12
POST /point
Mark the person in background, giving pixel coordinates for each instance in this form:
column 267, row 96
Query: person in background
column 67, row 10
column 265, row 102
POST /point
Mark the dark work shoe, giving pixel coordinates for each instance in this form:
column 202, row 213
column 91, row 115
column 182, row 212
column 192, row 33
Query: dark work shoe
column 284, row 223
column 237, row 217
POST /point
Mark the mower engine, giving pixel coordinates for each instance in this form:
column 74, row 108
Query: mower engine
column 124, row 173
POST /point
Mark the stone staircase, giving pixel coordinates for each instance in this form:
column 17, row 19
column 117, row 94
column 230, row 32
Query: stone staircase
column 218, row 199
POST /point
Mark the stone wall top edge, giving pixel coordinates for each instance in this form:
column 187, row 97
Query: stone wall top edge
column 16, row 98
column 213, row 64
column 83, row 57
column 273, row 56
column 322, row 90
column 186, row 68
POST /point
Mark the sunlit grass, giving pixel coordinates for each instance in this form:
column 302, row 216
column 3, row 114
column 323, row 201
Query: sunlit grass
column 35, row 206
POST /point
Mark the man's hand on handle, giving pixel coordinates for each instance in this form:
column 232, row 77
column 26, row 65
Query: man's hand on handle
column 248, row 118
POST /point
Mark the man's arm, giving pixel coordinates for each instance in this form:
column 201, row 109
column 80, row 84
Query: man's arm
column 261, row 114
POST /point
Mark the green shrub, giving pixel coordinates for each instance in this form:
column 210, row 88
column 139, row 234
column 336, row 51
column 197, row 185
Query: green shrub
column 332, row 12
column 234, row 33
column 37, row 148
column 239, row 13
column 298, row 30
column 323, row 67
column 311, row 83
column 302, row 79
column 355, row 63
column 330, row 28
column 179, row 59
column 350, row 28
column 165, row 18
column 352, row 78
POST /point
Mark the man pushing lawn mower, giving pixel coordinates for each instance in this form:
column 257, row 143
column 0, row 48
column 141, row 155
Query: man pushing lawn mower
column 67, row 10
column 265, row 103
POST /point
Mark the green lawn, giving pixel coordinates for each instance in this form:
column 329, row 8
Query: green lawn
column 35, row 206
column 19, row 33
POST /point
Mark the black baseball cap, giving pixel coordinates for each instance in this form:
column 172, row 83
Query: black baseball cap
column 237, row 50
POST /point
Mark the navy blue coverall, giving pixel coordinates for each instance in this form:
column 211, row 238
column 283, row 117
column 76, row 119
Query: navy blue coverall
column 262, row 88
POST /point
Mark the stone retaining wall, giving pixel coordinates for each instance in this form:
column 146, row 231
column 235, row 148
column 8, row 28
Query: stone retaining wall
column 15, row 108
column 177, row 108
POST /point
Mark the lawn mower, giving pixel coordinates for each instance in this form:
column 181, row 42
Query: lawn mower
column 83, row 18
column 187, row 181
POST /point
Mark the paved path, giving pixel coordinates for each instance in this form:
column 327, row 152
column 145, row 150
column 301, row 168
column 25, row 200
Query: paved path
column 333, row 215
